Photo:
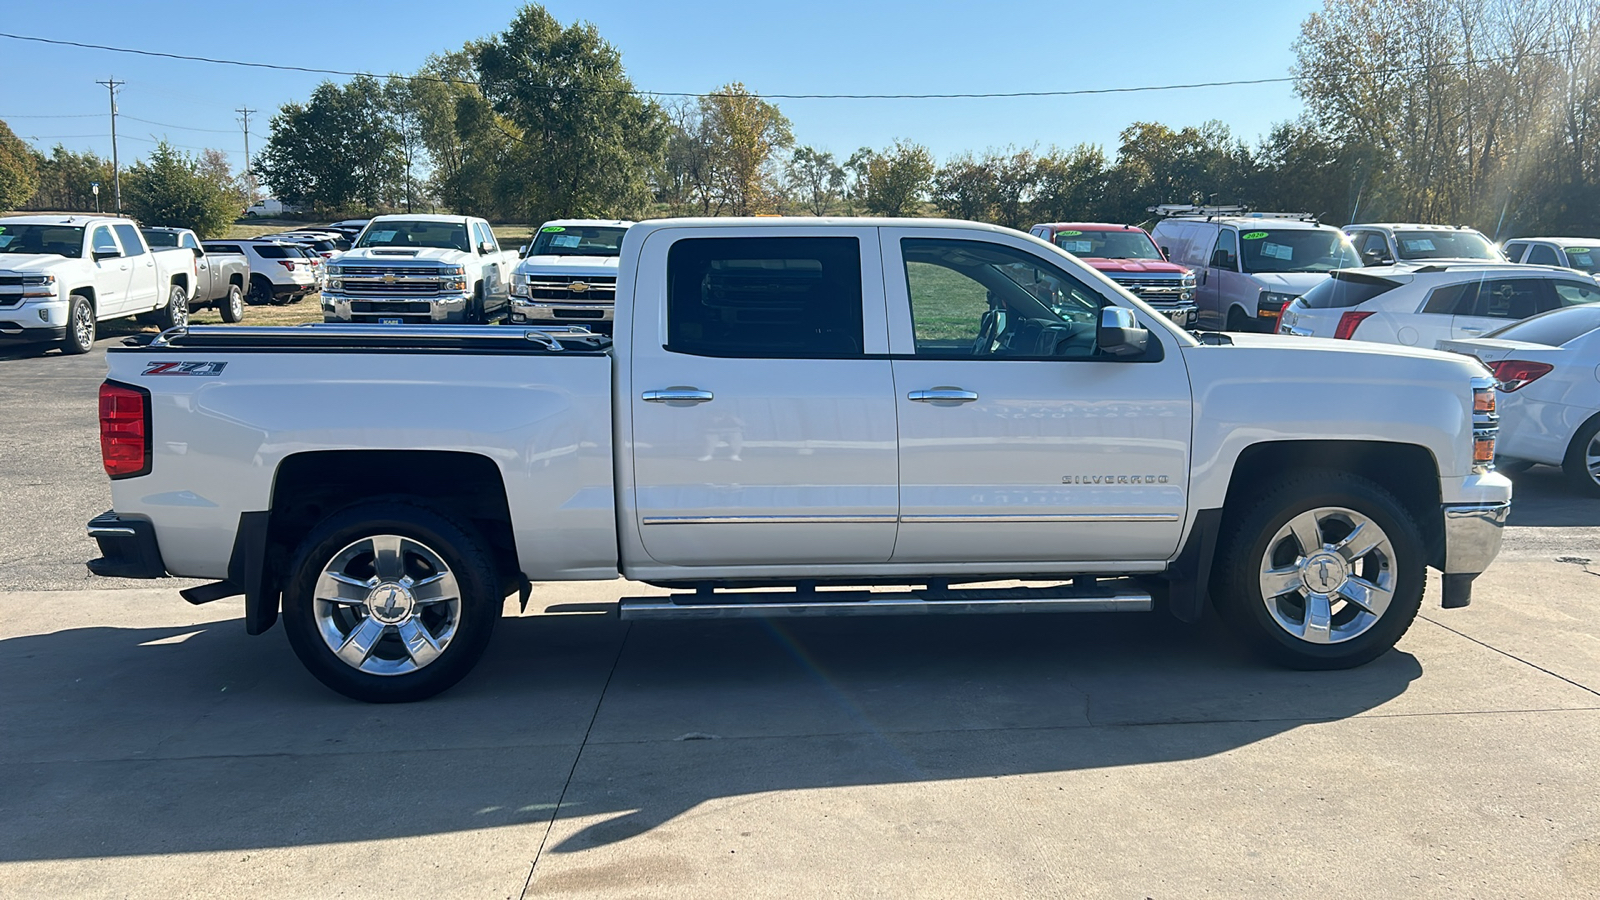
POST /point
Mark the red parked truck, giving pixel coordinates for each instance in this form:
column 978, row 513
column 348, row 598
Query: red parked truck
column 1127, row 255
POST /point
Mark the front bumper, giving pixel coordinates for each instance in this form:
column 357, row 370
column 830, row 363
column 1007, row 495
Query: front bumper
column 17, row 333
column 127, row 547
column 1472, row 536
column 539, row 312
column 444, row 309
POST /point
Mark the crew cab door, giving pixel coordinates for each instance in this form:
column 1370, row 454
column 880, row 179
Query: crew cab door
column 143, row 290
column 1020, row 440
column 112, row 271
column 763, row 400
column 496, row 269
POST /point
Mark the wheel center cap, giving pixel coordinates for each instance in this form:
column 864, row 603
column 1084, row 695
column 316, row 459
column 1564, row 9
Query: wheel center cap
column 390, row 603
column 1324, row 573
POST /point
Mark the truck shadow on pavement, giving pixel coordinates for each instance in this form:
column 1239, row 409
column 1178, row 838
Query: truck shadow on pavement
column 137, row 741
column 1542, row 498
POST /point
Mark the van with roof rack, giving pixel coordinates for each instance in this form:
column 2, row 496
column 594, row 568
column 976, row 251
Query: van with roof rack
column 1250, row 265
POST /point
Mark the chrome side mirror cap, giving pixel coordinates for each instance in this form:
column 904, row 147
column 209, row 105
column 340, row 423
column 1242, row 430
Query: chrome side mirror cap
column 1120, row 334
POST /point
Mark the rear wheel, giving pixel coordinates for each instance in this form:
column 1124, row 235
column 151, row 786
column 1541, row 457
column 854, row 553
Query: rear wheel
column 1323, row 571
column 176, row 313
column 260, row 291
column 80, row 326
column 232, row 306
column 1582, row 463
column 391, row 602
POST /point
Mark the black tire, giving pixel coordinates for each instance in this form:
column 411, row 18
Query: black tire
column 463, row 553
column 1242, row 554
column 476, row 313
column 260, row 291
column 1575, row 466
column 176, row 313
column 232, row 306
column 1239, row 321
column 81, row 326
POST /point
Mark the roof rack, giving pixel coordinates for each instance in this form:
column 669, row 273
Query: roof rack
column 1214, row 212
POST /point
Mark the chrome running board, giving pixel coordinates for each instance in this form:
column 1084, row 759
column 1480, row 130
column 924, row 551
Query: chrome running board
column 1104, row 596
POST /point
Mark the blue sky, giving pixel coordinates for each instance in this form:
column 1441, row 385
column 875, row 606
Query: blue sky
column 822, row 46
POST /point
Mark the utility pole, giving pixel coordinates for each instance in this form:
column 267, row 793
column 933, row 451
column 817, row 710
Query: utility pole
column 116, row 170
column 249, row 173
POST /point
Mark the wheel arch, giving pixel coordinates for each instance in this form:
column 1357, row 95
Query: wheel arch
column 308, row 487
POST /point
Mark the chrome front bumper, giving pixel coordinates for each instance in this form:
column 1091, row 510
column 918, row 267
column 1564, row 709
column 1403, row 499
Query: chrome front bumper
column 1472, row 536
column 444, row 309
column 523, row 310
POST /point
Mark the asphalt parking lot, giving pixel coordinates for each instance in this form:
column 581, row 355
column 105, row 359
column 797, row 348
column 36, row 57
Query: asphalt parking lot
column 149, row 748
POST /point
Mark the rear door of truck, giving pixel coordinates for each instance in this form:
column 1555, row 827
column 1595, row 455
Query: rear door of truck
column 763, row 399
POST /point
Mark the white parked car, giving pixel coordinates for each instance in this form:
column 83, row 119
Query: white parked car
column 1582, row 254
column 1420, row 306
column 1386, row 243
column 1549, row 373
column 279, row 271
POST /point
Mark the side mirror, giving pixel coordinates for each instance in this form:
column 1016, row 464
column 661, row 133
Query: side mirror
column 522, row 252
column 485, row 248
column 1120, row 334
column 1375, row 258
column 1222, row 259
column 1166, row 253
column 105, row 254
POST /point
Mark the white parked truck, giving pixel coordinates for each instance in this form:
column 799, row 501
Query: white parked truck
column 419, row 269
column 568, row 274
column 822, row 405
column 61, row 275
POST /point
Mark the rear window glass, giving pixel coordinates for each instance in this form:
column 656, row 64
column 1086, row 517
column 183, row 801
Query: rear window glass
column 161, row 238
column 274, row 251
column 1553, row 328
column 1345, row 290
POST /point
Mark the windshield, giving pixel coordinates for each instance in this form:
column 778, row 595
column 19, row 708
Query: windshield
column 1130, row 244
column 60, row 240
column 1583, row 258
column 159, row 239
column 1444, row 245
column 1299, row 250
column 440, row 235
column 578, row 240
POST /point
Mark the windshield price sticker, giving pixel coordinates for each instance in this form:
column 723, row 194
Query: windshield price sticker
column 1418, row 245
column 1277, row 251
column 553, row 228
column 1077, row 246
column 380, row 237
column 565, row 240
column 1253, row 236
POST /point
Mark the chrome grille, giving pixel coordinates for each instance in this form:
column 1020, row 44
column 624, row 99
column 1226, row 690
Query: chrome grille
column 597, row 289
column 397, row 271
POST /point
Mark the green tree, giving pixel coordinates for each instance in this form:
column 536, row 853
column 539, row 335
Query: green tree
column 67, row 179
column 338, row 151
column 586, row 143
column 898, row 179
column 168, row 188
column 816, row 179
column 1071, row 185
column 963, row 188
column 742, row 132
column 19, row 173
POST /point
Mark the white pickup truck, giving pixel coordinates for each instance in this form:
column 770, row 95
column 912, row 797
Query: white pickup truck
column 61, row 275
column 875, row 414
column 416, row 269
column 568, row 274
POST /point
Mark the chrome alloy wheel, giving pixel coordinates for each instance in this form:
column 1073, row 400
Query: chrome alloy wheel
column 83, row 325
column 1328, row 575
column 1591, row 458
column 387, row 605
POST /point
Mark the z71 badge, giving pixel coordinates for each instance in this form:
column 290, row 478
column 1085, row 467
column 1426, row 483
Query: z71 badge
column 185, row 368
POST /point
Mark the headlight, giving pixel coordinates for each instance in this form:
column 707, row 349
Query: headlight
column 335, row 284
column 334, row 271
column 1187, row 281
column 1271, row 304
column 38, row 286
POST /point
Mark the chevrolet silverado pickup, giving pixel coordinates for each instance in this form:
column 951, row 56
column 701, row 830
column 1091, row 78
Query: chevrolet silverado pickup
column 873, row 415
column 62, row 275
column 568, row 276
column 220, row 276
column 419, row 269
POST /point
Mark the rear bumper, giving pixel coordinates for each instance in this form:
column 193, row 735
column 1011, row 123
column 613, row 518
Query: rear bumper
column 127, row 547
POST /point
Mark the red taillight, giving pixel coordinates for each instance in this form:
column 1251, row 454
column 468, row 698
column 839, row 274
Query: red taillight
column 1348, row 323
column 124, row 430
column 1516, row 373
column 286, row 264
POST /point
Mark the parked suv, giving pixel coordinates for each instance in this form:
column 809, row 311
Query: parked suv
column 1582, row 254
column 279, row 271
column 1421, row 306
column 1382, row 243
column 1128, row 256
column 1251, row 266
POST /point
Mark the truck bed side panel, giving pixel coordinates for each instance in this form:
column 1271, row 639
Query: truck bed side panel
column 218, row 441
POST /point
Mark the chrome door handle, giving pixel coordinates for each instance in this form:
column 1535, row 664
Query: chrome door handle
column 943, row 395
column 677, row 395
column 1473, row 330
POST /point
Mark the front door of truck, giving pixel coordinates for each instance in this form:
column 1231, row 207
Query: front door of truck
column 1020, row 440
column 112, row 271
column 762, row 399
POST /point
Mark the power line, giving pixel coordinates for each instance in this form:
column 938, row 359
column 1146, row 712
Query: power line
column 75, row 116
column 179, row 127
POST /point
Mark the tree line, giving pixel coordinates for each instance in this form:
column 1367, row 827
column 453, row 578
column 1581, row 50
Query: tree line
column 1480, row 112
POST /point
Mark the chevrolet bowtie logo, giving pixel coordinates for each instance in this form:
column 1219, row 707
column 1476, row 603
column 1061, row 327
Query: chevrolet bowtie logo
column 388, row 278
column 577, row 287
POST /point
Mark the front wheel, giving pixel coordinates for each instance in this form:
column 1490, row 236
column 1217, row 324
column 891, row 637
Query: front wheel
column 1323, row 571
column 391, row 602
column 80, row 326
column 233, row 305
column 1582, row 463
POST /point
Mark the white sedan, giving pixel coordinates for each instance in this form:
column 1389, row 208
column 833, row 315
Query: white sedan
column 1421, row 305
column 1549, row 373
